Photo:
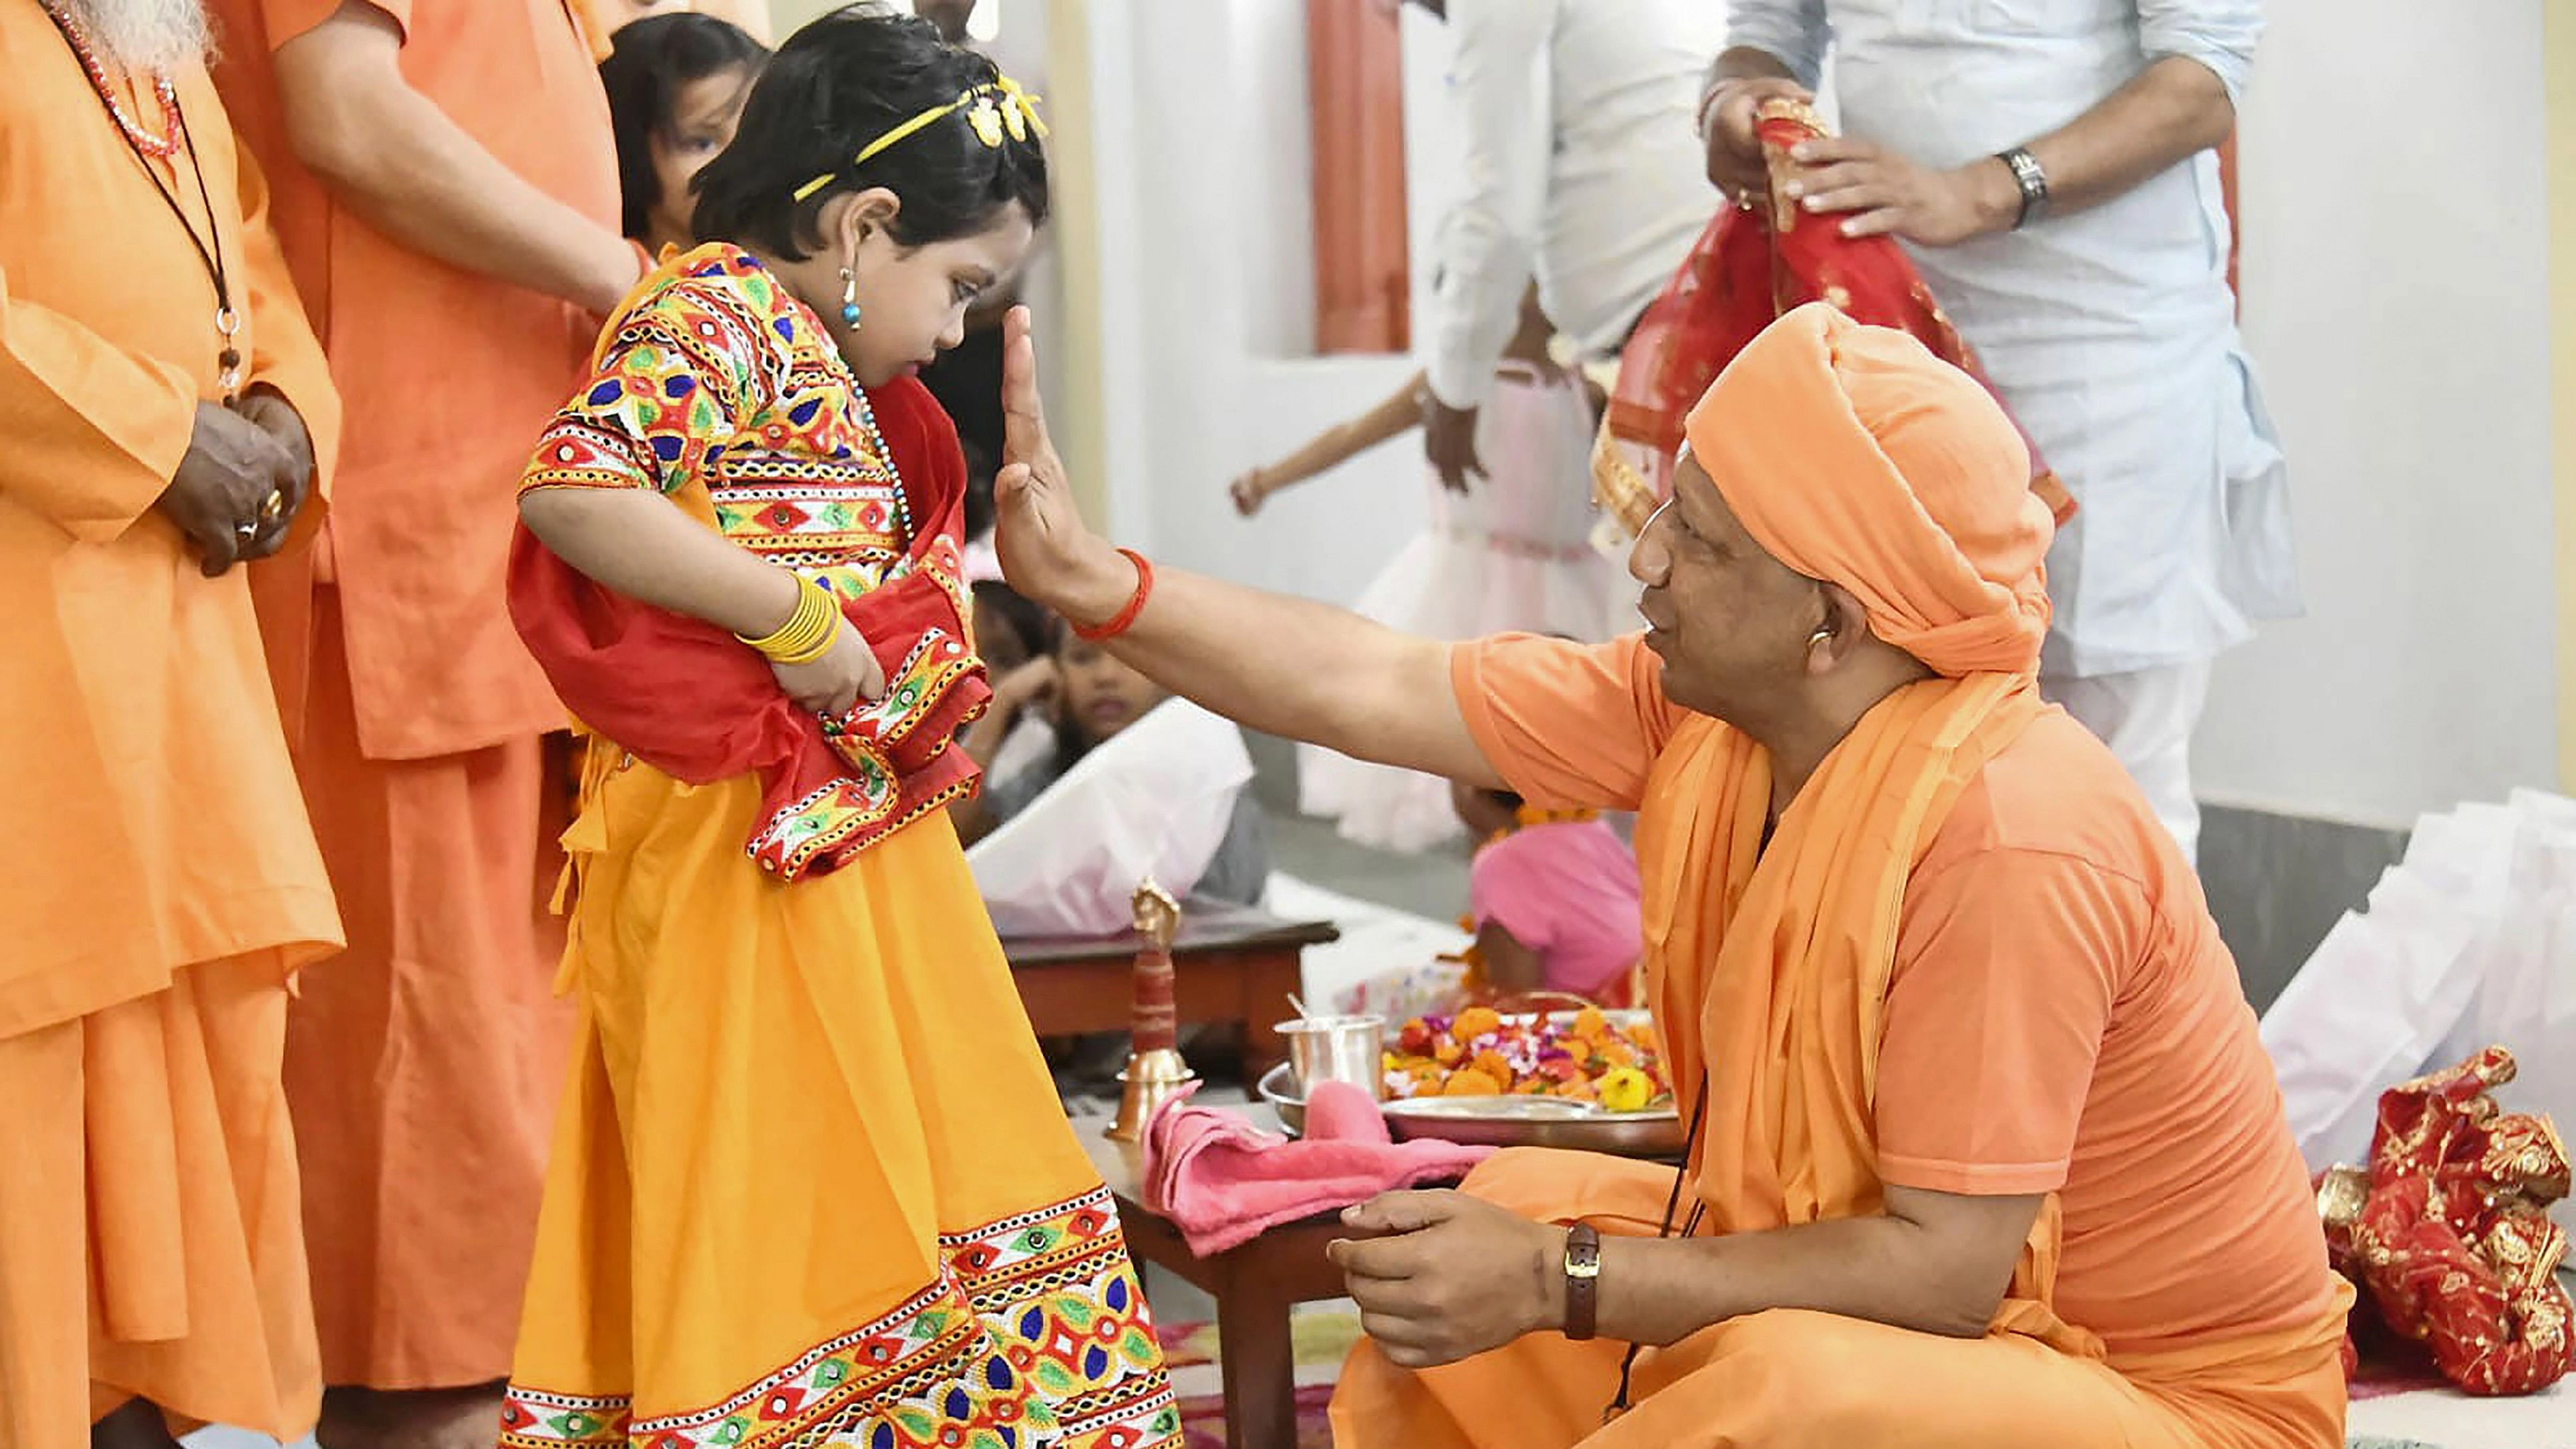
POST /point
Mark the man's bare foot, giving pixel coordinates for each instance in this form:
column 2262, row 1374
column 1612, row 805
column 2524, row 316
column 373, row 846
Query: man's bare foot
column 137, row 1425
column 356, row 1418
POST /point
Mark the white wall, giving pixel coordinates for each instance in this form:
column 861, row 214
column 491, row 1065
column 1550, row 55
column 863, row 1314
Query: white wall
column 2396, row 290
column 1205, row 179
column 2396, row 298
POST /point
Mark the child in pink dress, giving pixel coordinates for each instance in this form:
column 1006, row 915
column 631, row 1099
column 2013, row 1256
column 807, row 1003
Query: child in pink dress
column 1552, row 898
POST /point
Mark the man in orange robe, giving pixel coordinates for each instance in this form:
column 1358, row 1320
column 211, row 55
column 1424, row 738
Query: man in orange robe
column 158, row 874
column 1984, row 1150
column 446, row 190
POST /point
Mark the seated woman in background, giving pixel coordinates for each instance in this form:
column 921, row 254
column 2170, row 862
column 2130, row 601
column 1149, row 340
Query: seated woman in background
column 1093, row 697
column 1553, row 899
column 675, row 83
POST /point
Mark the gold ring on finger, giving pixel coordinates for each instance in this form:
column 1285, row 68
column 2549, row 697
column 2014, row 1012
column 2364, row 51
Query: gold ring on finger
column 273, row 505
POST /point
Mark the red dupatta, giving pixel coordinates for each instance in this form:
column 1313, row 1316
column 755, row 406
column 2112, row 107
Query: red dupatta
column 1753, row 265
column 689, row 699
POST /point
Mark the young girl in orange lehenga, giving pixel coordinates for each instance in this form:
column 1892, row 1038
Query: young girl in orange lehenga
column 811, row 1182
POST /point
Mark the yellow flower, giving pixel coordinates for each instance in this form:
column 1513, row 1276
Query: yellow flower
column 1625, row 1089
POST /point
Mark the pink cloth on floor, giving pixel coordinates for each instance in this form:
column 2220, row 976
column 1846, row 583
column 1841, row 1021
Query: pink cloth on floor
column 1568, row 891
column 1223, row 1181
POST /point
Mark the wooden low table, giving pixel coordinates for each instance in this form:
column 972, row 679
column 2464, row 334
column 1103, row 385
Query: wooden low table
column 1230, row 964
column 1254, row 1287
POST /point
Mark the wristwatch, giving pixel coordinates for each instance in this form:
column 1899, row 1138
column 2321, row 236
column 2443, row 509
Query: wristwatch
column 1582, row 1280
column 2032, row 178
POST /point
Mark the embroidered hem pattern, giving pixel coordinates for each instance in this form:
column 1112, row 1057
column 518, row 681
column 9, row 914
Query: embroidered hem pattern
column 911, row 698
column 816, row 834
column 1036, row 1336
column 900, row 764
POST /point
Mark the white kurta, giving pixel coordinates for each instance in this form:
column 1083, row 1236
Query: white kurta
column 1580, row 168
column 2111, row 331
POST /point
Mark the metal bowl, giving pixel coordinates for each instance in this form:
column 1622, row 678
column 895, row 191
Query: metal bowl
column 1502, row 1121
column 1337, row 1049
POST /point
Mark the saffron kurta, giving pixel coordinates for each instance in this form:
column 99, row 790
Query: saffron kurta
column 812, row 1178
column 159, row 874
column 424, row 1072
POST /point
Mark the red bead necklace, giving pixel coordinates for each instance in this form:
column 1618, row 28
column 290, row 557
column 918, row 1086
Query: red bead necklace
column 163, row 146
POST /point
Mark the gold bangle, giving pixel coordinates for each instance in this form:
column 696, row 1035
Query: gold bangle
column 831, row 635
column 809, row 631
column 796, row 632
column 817, row 619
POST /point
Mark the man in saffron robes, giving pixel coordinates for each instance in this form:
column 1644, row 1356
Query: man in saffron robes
column 447, row 196
column 164, row 404
column 1984, row 1149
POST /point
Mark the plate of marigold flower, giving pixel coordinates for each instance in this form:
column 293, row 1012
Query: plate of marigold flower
column 1587, row 1078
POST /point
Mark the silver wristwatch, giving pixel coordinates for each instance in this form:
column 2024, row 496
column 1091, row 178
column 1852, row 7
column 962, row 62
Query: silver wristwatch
column 2032, row 178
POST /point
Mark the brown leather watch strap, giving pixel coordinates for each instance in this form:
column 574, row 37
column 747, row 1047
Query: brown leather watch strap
column 1582, row 1280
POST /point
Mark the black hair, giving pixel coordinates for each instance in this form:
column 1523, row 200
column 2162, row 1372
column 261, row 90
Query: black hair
column 981, row 470
column 1070, row 746
column 1032, row 625
column 832, row 90
column 655, row 58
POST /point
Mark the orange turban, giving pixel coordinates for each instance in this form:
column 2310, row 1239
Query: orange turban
column 1853, row 455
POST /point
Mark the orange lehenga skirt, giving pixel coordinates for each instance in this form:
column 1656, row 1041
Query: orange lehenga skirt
column 812, row 1181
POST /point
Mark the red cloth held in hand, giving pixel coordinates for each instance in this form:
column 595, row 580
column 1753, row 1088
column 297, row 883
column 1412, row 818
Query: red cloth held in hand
column 1751, row 267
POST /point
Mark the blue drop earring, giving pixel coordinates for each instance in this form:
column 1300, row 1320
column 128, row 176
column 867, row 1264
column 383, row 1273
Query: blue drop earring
column 849, row 298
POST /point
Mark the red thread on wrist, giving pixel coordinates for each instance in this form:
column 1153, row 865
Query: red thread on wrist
column 1125, row 619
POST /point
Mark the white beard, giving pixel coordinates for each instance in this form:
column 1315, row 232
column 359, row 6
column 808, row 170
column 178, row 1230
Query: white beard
column 143, row 37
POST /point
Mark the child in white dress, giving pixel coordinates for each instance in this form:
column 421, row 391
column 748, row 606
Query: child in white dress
column 1510, row 552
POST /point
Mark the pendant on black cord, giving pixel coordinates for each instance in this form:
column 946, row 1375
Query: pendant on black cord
column 228, row 323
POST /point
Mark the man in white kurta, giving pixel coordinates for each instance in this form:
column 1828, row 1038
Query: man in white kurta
column 2092, row 282
column 1578, row 169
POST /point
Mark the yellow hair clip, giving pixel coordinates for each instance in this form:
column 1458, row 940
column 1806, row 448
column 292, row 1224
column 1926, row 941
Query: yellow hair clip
column 995, row 109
